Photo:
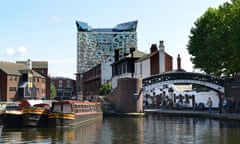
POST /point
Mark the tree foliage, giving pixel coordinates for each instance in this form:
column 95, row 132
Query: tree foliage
column 214, row 42
column 105, row 89
column 53, row 92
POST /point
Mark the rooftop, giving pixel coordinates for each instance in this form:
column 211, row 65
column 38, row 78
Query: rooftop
column 123, row 27
column 15, row 68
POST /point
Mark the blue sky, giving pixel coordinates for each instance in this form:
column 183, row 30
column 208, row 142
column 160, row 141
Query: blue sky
column 45, row 29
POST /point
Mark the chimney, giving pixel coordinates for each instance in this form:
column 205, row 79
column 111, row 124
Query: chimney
column 153, row 48
column 161, row 57
column 29, row 64
column 179, row 62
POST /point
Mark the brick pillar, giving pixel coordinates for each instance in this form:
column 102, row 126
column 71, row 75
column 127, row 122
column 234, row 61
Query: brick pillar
column 128, row 98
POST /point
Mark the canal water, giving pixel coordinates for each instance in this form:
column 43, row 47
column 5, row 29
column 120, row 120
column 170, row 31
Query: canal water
column 153, row 129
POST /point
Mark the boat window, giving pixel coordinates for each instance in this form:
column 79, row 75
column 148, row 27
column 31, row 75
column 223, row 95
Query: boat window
column 88, row 108
column 66, row 108
column 56, row 108
column 82, row 108
column 85, row 108
column 93, row 108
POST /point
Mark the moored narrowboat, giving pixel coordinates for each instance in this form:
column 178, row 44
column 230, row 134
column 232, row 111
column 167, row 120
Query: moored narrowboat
column 36, row 116
column 32, row 113
column 6, row 106
column 13, row 118
column 72, row 113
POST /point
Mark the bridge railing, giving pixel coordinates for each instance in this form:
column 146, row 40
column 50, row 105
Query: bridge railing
column 182, row 76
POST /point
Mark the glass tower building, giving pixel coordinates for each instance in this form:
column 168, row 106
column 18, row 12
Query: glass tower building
column 95, row 45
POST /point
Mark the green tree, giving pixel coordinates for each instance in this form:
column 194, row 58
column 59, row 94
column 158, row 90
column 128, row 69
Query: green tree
column 105, row 89
column 214, row 40
column 53, row 92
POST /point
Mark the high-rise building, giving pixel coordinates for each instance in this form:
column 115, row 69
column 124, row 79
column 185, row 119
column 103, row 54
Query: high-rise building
column 95, row 45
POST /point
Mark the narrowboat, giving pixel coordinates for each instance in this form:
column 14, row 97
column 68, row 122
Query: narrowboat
column 5, row 106
column 69, row 113
column 36, row 115
column 13, row 118
column 32, row 113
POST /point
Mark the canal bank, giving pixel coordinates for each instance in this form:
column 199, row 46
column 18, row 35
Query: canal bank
column 191, row 113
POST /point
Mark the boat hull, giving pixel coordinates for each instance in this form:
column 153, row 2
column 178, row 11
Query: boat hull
column 13, row 119
column 70, row 119
column 35, row 117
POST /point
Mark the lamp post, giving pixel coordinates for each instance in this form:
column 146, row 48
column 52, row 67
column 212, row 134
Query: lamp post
column 132, row 49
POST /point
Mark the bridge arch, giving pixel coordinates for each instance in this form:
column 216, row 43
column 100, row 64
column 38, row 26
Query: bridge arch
column 181, row 77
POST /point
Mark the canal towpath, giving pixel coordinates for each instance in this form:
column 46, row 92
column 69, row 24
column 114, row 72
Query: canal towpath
column 214, row 114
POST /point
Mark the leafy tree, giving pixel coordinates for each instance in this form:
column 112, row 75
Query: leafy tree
column 53, row 92
column 105, row 89
column 214, row 42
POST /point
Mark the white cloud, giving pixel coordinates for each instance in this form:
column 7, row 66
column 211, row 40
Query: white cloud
column 20, row 51
column 55, row 19
column 10, row 52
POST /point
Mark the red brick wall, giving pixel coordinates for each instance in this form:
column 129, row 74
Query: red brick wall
column 3, row 86
column 154, row 61
column 168, row 62
column 123, row 96
column 12, row 82
column 92, row 81
column 40, row 83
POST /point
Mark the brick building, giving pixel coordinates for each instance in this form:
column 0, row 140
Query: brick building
column 92, row 81
column 94, row 78
column 158, row 61
column 155, row 61
column 65, row 87
column 19, row 82
column 42, row 68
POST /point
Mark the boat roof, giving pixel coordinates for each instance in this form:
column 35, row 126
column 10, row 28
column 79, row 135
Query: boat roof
column 34, row 102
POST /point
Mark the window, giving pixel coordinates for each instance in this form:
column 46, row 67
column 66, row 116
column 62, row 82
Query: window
column 60, row 83
column 68, row 83
column 12, row 89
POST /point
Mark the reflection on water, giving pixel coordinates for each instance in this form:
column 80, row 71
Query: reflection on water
column 182, row 130
column 82, row 134
column 152, row 129
column 120, row 130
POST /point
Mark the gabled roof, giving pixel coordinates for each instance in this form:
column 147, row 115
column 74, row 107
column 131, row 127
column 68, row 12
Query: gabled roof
column 147, row 56
column 136, row 54
column 12, row 68
column 36, row 64
column 16, row 69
